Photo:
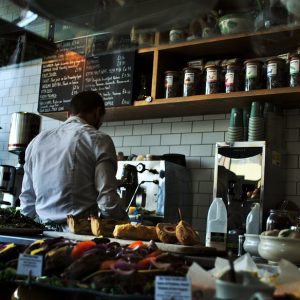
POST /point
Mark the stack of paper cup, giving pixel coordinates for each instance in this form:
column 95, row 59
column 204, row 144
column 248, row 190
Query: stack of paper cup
column 235, row 131
column 246, row 116
column 256, row 123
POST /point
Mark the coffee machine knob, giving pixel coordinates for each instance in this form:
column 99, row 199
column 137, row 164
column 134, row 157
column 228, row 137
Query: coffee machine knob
column 140, row 167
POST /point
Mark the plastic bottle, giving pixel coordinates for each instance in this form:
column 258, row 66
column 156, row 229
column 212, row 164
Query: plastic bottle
column 252, row 220
column 216, row 230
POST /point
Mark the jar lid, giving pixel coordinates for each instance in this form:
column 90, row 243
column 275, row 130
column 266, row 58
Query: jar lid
column 191, row 69
column 295, row 55
column 172, row 72
column 275, row 59
column 232, row 64
column 253, row 61
column 211, row 66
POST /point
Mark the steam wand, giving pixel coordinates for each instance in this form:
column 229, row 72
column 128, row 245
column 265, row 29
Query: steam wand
column 136, row 190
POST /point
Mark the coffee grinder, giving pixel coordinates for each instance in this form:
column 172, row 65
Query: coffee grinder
column 23, row 128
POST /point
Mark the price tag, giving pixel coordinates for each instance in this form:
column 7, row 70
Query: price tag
column 30, row 264
column 172, row 288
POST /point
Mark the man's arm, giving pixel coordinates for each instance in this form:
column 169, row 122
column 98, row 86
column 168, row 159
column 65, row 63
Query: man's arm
column 27, row 196
column 108, row 199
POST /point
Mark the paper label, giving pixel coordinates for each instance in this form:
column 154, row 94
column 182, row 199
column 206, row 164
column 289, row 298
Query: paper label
column 251, row 71
column 294, row 66
column 216, row 240
column 30, row 264
column 229, row 79
column 212, row 75
column 272, row 69
column 169, row 81
column 189, row 78
column 172, row 288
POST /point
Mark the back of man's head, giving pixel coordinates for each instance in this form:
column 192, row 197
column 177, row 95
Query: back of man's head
column 86, row 102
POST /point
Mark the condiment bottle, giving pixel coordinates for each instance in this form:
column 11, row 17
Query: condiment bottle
column 232, row 78
column 253, row 76
column 295, row 70
column 172, row 84
column 275, row 72
column 191, row 81
column 212, row 85
column 278, row 219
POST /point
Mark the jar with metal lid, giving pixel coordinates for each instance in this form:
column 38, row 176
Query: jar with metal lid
column 213, row 79
column 278, row 219
column 172, row 84
column 275, row 72
column 191, row 81
column 294, row 70
column 232, row 78
column 253, row 76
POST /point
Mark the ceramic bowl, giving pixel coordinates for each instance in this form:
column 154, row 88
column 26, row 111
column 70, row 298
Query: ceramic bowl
column 251, row 243
column 235, row 23
column 275, row 248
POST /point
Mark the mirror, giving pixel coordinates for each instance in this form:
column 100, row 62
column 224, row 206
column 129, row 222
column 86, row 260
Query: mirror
column 239, row 181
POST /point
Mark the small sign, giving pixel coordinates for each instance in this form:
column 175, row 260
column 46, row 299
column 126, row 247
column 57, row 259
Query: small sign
column 30, row 264
column 172, row 288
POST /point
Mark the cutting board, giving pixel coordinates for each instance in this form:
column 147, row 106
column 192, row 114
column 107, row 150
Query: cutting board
column 197, row 250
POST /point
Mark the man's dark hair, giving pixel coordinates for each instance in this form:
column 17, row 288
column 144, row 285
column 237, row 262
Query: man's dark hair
column 85, row 102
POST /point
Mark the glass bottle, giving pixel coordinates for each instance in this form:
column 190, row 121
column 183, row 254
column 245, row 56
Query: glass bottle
column 278, row 219
column 253, row 76
column 232, row 78
column 275, row 72
column 295, row 70
column 212, row 85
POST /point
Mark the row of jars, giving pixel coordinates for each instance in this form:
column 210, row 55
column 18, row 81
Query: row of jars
column 193, row 81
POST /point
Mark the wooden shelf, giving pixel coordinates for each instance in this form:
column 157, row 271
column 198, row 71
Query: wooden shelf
column 197, row 105
column 274, row 41
column 277, row 40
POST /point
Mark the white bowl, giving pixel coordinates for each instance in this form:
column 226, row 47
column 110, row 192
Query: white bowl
column 275, row 248
column 251, row 243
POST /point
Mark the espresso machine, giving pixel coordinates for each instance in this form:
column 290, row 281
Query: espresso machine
column 159, row 187
column 23, row 128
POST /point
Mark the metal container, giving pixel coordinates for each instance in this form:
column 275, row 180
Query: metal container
column 7, row 178
column 23, row 128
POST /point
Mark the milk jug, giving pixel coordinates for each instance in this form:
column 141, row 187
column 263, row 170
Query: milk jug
column 216, row 230
column 252, row 221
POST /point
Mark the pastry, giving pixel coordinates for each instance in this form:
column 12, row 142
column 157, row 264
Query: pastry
column 79, row 226
column 104, row 227
column 166, row 233
column 186, row 235
column 135, row 232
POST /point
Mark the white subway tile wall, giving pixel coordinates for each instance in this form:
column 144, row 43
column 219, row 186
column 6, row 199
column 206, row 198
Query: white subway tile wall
column 193, row 136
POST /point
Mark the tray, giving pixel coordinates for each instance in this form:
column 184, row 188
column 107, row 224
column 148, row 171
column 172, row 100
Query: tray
column 20, row 231
column 37, row 291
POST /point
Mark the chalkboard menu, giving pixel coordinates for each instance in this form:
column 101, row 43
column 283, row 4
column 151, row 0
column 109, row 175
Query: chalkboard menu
column 75, row 68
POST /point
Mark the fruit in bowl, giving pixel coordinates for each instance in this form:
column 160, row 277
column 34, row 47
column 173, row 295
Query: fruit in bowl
column 284, row 246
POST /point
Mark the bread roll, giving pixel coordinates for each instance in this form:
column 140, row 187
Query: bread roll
column 166, row 233
column 104, row 227
column 79, row 226
column 186, row 235
column 135, row 232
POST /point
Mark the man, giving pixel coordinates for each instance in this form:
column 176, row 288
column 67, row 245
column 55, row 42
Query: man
column 72, row 169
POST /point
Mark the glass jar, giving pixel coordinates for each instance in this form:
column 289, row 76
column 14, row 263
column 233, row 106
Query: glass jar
column 232, row 78
column 191, row 81
column 213, row 78
column 278, row 219
column 294, row 70
column 275, row 72
column 253, row 76
column 172, row 84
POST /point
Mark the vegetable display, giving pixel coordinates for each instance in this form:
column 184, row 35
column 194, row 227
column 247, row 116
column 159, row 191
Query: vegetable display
column 98, row 265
